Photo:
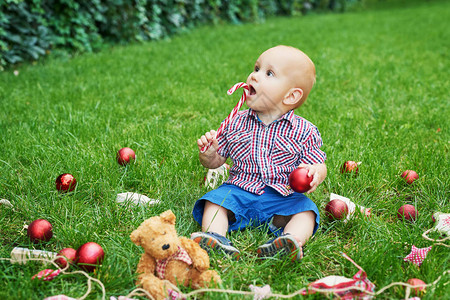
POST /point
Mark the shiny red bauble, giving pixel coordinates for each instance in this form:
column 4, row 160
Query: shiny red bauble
column 68, row 256
column 89, row 255
column 350, row 166
column 65, row 182
column 421, row 285
column 300, row 181
column 40, row 230
column 336, row 209
column 125, row 155
column 410, row 176
column 408, row 212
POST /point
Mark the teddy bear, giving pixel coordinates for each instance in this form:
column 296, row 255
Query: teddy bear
column 170, row 257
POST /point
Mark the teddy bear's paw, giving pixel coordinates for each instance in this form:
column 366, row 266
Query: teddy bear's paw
column 154, row 286
column 206, row 279
column 202, row 264
column 215, row 277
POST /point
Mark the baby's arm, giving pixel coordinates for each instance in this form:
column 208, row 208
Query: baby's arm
column 318, row 171
column 210, row 158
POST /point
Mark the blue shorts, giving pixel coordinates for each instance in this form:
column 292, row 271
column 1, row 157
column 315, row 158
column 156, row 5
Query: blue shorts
column 254, row 210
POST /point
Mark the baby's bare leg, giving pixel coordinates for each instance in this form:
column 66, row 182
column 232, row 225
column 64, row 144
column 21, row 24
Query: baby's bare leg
column 215, row 218
column 300, row 225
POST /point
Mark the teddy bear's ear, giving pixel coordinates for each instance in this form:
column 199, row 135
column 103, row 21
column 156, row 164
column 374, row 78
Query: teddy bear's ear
column 168, row 217
column 135, row 236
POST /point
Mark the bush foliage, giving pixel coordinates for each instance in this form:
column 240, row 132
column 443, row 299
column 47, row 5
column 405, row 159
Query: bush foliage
column 32, row 28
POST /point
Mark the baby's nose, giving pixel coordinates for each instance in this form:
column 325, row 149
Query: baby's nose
column 166, row 246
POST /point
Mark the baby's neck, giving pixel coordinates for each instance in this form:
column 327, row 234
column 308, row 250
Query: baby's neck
column 269, row 117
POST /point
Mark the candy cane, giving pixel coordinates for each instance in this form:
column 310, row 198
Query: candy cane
column 233, row 112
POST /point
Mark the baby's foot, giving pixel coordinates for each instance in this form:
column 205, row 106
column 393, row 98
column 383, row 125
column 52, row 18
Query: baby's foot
column 216, row 242
column 285, row 245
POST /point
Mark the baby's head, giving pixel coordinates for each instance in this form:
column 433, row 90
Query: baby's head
column 282, row 79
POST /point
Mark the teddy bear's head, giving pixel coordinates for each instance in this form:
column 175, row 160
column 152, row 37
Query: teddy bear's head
column 158, row 236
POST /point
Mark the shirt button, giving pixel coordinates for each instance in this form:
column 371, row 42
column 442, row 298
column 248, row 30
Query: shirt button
column 264, row 169
column 267, row 128
column 263, row 149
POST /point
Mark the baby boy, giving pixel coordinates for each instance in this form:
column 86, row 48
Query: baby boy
column 265, row 143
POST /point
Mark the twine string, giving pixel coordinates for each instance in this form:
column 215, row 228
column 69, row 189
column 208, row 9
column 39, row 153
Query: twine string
column 140, row 291
column 333, row 290
column 63, row 271
column 137, row 291
column 425, row 236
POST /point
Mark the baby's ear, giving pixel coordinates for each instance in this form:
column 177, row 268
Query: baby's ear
column 293, row 97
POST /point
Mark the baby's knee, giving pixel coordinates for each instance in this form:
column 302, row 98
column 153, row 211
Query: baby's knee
column 217, row 209
column 308, row 215
column 209, row 206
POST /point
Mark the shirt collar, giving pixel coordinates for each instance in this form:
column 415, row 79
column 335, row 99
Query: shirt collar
column 289, row 116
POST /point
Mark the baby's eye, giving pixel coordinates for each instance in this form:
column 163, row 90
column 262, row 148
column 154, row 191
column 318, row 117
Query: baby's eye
column 270, row 73
column 256, row 68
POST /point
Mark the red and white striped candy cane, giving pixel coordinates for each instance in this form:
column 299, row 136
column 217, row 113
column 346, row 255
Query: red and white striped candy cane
column 233, row 112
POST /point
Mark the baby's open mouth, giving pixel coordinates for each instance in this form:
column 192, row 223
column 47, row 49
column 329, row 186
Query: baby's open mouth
column 251, row 90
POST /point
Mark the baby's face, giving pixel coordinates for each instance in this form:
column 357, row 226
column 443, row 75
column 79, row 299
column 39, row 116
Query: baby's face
column 271, row 80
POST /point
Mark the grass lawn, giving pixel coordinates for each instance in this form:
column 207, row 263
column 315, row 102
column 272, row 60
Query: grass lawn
column 381, row 98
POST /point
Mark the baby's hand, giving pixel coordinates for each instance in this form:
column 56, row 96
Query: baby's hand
column 206, row 139
column 318, row 171
column 210, row 158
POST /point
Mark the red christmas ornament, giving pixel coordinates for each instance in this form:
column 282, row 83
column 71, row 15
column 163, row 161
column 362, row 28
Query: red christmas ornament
column 410, row 176
column 65, row 182
column 421, row 285
column 408, row 212
column 69, row 256
column 350, row 166
column 40, row 230
column 336, row 209
column 300, row 181
column 125, row 155
column 89, row 255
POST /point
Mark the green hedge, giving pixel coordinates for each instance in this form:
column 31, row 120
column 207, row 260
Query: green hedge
column 32, row 28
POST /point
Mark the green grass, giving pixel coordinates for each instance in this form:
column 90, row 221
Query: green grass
column 381, row 98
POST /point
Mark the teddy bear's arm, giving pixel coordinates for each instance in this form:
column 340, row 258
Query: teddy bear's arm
column 146, row 265
column 147, row 279
column 200, row 258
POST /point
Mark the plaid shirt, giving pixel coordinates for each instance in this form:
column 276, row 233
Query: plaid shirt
column 265, row 155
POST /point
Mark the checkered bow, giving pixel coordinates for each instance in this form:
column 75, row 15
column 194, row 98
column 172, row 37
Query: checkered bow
column 161, row 264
